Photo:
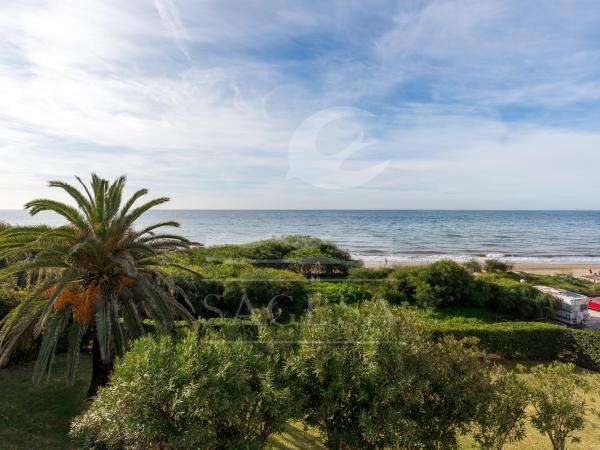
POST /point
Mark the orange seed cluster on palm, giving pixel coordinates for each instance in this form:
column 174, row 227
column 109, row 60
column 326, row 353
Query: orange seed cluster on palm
column 124, row 281
column 82, row 301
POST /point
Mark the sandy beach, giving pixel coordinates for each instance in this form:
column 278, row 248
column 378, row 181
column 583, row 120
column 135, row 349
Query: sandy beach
column 577, row 270
column 553, row 269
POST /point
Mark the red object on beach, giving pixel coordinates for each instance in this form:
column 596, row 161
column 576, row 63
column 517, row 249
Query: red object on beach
column 594, row 303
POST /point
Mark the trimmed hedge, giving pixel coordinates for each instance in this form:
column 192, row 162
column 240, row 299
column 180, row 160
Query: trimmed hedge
column 586, row 345
column 534, row 341
column 513, row 340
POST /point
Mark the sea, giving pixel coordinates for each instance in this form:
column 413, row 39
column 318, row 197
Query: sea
column 545, row 237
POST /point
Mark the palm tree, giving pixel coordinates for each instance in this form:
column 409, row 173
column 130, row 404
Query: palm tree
column 96, row 278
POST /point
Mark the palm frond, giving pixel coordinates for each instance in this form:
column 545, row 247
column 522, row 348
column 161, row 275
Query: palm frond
column 95, row 272
column 76, row 332
column 48, row 346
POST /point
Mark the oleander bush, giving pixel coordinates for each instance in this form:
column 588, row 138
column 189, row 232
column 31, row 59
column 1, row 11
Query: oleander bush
column 560, row 404
column 502, row 414
column 370, row 378
column 212, row 393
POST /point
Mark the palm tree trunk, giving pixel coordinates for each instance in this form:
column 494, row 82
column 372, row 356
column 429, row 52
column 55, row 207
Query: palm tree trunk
column 100, row 370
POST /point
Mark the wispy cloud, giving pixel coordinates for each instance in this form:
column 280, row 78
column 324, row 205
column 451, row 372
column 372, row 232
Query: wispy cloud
column 169, row 14
column 472, row 102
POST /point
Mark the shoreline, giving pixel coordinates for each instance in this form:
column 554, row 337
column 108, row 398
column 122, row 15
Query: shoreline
column 577, row 270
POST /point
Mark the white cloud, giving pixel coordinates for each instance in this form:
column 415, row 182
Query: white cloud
column 200, row 100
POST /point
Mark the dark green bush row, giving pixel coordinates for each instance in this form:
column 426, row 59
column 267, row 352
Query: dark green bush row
column 529, row 341
column 446, row 283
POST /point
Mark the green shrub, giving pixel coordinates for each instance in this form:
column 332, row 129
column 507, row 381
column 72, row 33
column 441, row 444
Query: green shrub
column 344, row 292
column 310, row 256
column 278, row 289
column 564, row 281
column 326, row 248
column 447, row 284
column 441, row 284
column 444, row 283
column 525, row 340
column 495, row 266
column 372, row 379
column 559, row 403
column 473, row 266
column 229, row 290
column 314, row 262
column 514, row 340
column 515, row 300
column 501, row 417
column 213, row 393
column 366, row 274
column 399, row 286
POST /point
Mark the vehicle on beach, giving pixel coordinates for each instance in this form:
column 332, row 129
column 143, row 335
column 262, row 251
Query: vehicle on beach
column 572, row 308
column 594, row 303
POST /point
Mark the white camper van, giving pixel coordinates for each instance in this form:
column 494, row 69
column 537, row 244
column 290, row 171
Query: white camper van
column 572, row 307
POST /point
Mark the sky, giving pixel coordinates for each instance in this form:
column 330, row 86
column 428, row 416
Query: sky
column 441, row 104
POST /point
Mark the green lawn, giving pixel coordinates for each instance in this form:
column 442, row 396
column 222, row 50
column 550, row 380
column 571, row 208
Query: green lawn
column 459, row 315
column 38, row 417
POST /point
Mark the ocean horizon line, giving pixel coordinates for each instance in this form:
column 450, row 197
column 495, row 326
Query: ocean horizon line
column 355, row 209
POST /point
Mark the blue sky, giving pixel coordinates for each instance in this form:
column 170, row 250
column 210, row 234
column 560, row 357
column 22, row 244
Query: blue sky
column 276, row 104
